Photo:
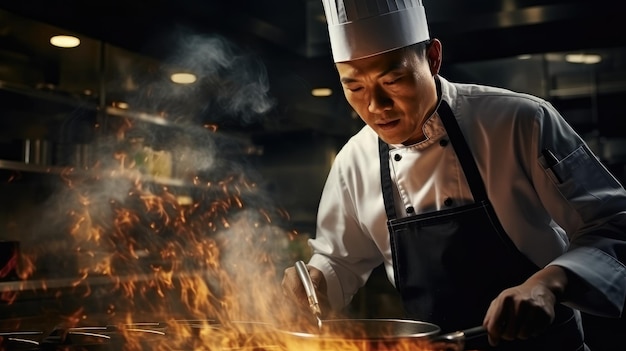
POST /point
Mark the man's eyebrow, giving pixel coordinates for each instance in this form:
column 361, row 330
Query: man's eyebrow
column 347, row 80
column 394, row 67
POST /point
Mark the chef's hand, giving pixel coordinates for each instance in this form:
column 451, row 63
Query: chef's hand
column 525, row 310
column 293, row 289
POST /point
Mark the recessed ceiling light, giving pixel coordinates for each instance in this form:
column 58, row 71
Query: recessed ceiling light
column 588, row 59
column 524, row 57
column 65, row 41
column 121, row 104
column 322, row 92
column 183, row 78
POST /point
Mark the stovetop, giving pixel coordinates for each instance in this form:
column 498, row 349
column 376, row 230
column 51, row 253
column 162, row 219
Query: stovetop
column 176, row 335
column 107, row 337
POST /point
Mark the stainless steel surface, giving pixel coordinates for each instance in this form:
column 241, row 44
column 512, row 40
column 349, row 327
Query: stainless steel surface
column 303, row 273
column 380, row 334
column 37, row 152
column 372, row 334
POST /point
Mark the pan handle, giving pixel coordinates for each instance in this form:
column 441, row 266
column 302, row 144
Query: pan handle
column 465, row 334
column 474, row 332
column 303, row 273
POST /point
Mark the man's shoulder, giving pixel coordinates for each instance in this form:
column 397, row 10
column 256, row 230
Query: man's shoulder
column 493, row 94
column 359, row 147
column 494, row 108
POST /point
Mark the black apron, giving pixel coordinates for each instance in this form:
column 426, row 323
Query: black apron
column 450, row 264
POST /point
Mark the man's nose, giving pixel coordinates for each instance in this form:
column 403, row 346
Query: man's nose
column 379, row 101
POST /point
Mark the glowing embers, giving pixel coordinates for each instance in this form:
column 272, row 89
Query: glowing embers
column 114, row 246
column 234, row 335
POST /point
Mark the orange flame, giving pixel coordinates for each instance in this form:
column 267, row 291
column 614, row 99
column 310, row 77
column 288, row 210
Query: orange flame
column 207, row 272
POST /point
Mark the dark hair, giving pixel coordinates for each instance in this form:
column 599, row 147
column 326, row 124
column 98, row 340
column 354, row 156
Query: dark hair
column 419, row 48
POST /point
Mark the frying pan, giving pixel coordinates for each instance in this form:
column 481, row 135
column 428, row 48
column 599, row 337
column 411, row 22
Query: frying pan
column 371, row 334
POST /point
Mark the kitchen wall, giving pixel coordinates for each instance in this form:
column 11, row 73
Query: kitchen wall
column 57, row 98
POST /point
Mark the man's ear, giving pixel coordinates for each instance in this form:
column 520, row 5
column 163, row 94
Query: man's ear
column 433, row 54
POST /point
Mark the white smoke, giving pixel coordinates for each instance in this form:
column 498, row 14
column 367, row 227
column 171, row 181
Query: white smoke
column 232, row 89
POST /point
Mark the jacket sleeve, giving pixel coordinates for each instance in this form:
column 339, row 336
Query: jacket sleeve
column 585, row 199
column 342, row 250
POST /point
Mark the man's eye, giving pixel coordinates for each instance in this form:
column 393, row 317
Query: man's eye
column 355, row 89
column 391, row 82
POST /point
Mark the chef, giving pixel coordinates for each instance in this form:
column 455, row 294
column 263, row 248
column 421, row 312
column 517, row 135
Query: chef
column 483, row 204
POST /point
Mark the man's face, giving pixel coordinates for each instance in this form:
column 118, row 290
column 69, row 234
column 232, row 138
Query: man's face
column 393, row 93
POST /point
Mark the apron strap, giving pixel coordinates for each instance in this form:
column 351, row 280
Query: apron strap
column 385, row 179
column 477, row 187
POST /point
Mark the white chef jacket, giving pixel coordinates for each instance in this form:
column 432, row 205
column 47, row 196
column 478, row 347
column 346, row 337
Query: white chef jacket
column 552, row 214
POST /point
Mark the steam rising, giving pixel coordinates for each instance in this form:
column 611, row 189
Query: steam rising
column 233, row 85
column 241, row 81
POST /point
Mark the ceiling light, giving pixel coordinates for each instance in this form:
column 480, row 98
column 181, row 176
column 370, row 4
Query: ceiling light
column 322, row 92
column 588, row 59
column 121, row 104
column 65, row 41
column 524, row 57
column 183, row 78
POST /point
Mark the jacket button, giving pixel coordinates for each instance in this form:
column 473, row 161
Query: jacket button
column 397, row 157
column 410, row 210
column 447, row 202
column 443, row 142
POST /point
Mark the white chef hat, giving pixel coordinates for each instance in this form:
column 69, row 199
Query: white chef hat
column 362, row 28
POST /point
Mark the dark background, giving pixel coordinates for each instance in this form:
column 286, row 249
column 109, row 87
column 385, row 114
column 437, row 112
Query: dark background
column 43, row 89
